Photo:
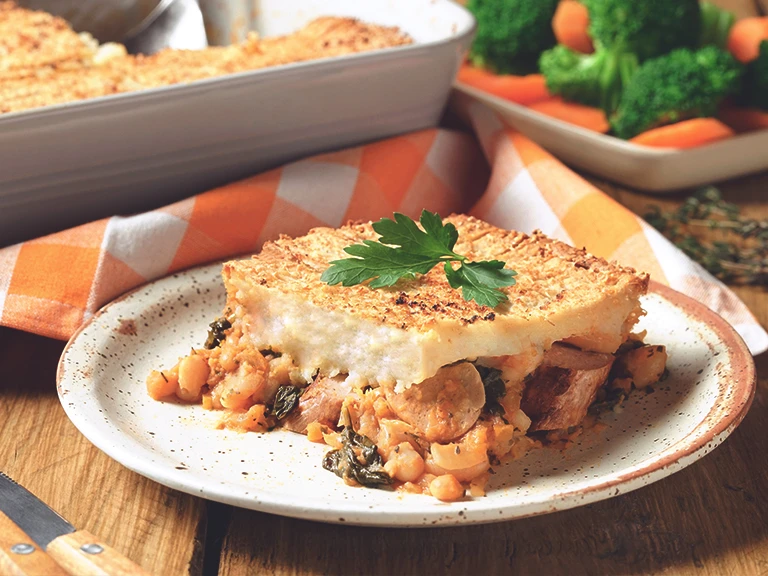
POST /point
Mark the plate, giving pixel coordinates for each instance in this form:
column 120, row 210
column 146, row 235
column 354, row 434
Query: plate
column 641, row 167
column 101, row 386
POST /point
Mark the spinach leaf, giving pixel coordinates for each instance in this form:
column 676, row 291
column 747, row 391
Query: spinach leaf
column 357, row 459
column 216, row 333
column 494, row 389
column 286, row 399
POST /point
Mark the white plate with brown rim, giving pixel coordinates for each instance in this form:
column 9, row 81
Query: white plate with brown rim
column 101, row 387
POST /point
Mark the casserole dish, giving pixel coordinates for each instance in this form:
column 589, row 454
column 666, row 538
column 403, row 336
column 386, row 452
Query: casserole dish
column 68, row 164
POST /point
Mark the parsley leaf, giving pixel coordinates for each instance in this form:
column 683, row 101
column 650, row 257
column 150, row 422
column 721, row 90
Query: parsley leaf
column 405, row 250
column 480, row 281
column 436, row 240
column 374, row 260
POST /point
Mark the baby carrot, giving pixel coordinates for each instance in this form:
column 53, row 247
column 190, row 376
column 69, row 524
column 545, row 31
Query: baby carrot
column 686, row 134
column 520, row 89
column 578, row 114
column 571, row 26
column 745, row 37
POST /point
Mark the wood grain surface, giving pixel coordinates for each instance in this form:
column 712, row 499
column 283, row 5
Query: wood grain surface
column 709, row 519
column 158, row 528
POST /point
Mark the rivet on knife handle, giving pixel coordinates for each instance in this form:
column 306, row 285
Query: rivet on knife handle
column 81, row 553
column 19, row 556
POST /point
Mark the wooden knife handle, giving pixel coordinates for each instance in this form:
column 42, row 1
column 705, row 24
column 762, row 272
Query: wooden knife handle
column 21, row 562
column 81, row 553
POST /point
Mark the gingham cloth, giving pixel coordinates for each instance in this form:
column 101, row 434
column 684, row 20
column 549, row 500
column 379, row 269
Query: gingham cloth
column 51, row 285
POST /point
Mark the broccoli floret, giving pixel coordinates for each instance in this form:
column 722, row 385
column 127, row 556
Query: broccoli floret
column 716, row 25
column 755, row 87
column 511, row 34
column 648, row 28
column 593, row 79
column 680, row 85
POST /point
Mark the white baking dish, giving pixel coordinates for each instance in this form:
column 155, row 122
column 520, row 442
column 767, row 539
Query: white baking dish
column 655, row 170
column 67, row 164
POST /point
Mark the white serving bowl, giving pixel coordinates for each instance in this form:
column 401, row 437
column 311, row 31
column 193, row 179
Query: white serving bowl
column 641, row 167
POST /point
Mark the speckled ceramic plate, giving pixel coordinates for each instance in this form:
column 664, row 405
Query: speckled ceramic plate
column 101, row 386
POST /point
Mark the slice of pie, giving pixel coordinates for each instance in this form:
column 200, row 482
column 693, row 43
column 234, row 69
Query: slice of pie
column 412, row 384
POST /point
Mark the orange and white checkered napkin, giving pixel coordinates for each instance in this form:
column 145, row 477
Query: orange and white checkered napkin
column 52, row 284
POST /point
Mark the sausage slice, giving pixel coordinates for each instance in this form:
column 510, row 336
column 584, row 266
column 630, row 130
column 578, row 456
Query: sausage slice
column 321, row 402
column 444, row 406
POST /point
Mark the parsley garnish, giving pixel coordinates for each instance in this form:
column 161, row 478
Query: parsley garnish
column 404, row 250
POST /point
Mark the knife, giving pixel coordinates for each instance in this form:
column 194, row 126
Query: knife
column 20, row 557
column 77, row 551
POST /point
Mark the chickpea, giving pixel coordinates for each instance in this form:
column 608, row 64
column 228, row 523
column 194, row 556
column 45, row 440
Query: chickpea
column 227, row 355
column 240, row 387
column 404, row 463
column 446, row 488
column 185, row 396
column 161, row 384
column 193, row 374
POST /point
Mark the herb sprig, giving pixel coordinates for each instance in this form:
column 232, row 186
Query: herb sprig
column 739, row 256
column 405, row 250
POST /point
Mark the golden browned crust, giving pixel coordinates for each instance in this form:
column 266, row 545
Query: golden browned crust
column 32, row 41
column 332, row 36
column 44, row 62
column 552, row 277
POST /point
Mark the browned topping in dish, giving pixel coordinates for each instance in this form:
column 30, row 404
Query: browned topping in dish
column 35, row 42
column 44, row 62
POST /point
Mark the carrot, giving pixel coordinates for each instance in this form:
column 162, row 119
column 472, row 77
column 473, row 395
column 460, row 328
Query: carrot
column 520, row 89
column 745, row 37
column 686, row 134
column 578, row 114
column 744, row 119
column 571, row 26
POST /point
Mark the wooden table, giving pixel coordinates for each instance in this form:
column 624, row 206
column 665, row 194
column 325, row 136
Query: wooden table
column 711, row 518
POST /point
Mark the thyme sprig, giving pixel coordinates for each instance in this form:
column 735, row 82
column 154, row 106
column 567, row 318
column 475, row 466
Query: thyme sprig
column 738, row 256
